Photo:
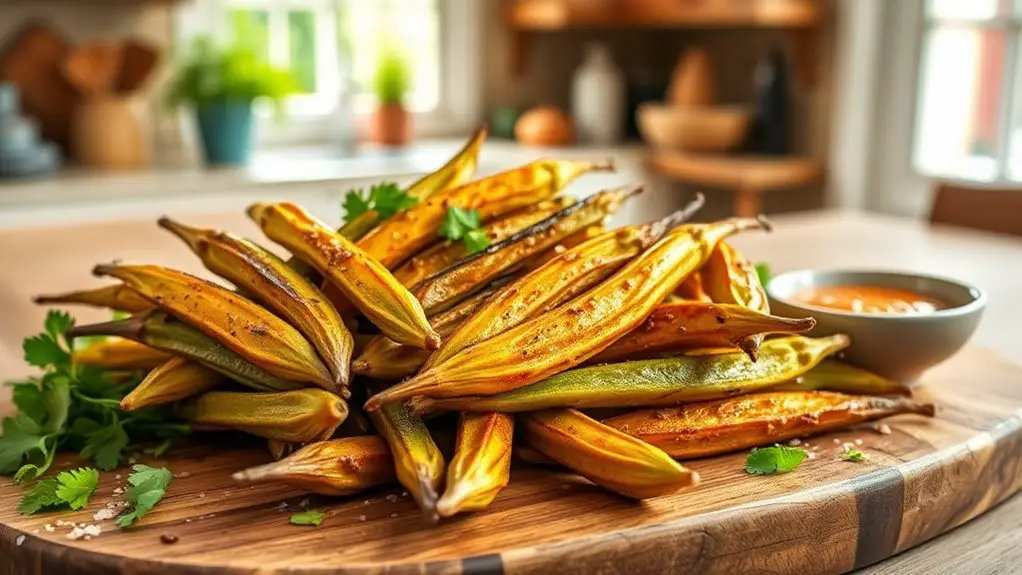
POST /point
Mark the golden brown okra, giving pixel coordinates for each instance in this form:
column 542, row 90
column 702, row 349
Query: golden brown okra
column 366, row 284
column 574, row 332
column 418, row 463
column 667, row 381
column 117, row 354
column 175, row 379
column 335, row 467
column 300, row 416
column 481, row 465
column 725, row 425
column 604, row 455
column 118, row 297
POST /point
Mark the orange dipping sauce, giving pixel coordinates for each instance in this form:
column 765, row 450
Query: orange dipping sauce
column 870, row 299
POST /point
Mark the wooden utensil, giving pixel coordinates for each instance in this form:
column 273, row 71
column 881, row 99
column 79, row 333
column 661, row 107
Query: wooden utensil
column 93, row 68
column 138, row 59
column 33, row 60
column 693, row 82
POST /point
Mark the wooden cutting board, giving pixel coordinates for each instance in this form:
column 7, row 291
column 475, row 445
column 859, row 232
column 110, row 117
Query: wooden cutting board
column 923, row 479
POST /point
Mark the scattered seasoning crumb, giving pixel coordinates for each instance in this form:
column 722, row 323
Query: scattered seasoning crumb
column 19, row 540
column 182, row 475
column 49, row 528
column 366, row 502
column 847, row 445
column 404, row 494
column 795, row 442
column 118, row 476
column 104, row 514
column 392, row 515
column 391, row 498
column 210, row 516
column 810, row 455
column 202, row 495
column 361, row 517
column 168, row 539
column 35, row 531
column 189, row 520
column 858, row 442
column 884, row 429
column 87, row 532
column 837, row 441
column 282, row 506
column 118, row 491
column 87, row 537
column 565, row 486
column 132, row 461
column 304, row 503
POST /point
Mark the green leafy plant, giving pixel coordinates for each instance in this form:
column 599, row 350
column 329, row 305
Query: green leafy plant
column 235, row 73
column 392, row 79
column 310, row 517
column 461, row 224
column 71, row 407
column 68, row 489
column 386, row 198
column 776, row 459
column 852, row 454
column 146, row 487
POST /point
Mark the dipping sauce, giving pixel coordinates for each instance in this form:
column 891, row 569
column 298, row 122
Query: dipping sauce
column 870, row 299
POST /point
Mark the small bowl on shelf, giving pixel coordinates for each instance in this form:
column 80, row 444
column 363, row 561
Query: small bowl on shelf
column 693, row 129
column 899, row 346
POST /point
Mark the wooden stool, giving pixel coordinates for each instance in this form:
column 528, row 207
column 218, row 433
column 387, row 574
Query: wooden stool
column 748, row 177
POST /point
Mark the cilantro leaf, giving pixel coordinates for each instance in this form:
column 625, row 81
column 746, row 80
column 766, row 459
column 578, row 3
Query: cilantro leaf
column 56, row 402
column 57, row 323
column 388, row 199
column 43, row 351
column 161, row 448
column 76, row 486
column 385, row 198
column 43, row 494
column 776, row 459
column 458, row 222
column 28, row 397
column 310, row 517
column 105, row 445
column 355, row 205
column 476, row 241
column 852, row 454
column 148, row 485
column 763, row 271
column 22, row 439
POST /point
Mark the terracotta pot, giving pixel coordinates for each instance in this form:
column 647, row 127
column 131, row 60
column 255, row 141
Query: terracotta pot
column 390, row 125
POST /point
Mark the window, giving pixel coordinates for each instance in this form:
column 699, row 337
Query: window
column 969, row 110
column 332, row 47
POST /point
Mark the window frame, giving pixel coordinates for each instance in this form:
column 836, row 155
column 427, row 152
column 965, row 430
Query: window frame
column 1011, row 26
column 459, row 107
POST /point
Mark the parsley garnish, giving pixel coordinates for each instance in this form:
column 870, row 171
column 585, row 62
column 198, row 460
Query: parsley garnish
column 776, row 459
column 310, row 517
column 72, row 407
column 147, row 486
column 69, row 488
column 852, row 454
column 386, row 198
column 461, row 224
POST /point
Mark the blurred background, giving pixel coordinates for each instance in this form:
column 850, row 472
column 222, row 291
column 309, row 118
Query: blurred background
column 767, row 105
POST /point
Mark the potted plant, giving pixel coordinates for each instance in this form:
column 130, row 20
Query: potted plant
column 391, row 124
column 221, row 84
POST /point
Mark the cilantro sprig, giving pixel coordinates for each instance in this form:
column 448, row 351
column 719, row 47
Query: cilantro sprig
column 310, row 517
column 68, row 489
column 462, row 224
column 852, row 454
column 776, row 459
column 72, row 407
column 385, row 198
column 146, row 487
column 763, row 271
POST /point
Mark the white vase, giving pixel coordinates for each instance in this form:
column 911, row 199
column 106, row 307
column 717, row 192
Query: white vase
column 598, row 98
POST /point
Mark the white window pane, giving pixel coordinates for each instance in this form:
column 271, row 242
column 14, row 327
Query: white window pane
column 1014, row 167
column 959, row 102
column 967, row 9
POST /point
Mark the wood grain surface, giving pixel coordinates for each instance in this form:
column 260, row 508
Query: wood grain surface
column 830, row 516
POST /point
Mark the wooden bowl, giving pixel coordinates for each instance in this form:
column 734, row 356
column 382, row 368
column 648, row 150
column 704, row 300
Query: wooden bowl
column 698, row 129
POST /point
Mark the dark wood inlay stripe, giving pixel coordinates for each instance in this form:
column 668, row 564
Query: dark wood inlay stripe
column 879, row 501
column 483, row 565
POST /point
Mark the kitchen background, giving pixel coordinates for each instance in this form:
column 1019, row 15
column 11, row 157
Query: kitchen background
column 773, row 105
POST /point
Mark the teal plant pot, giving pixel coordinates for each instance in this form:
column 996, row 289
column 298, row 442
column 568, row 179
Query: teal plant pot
column 226, row 132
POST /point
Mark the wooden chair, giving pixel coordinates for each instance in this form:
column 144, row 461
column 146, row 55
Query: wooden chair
column 992, row 209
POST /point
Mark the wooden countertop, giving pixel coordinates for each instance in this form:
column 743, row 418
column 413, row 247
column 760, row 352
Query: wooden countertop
column 54, row 259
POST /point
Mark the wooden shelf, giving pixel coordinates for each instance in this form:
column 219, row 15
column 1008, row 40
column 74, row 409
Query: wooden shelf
column 539, row 15
column 749, row 177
